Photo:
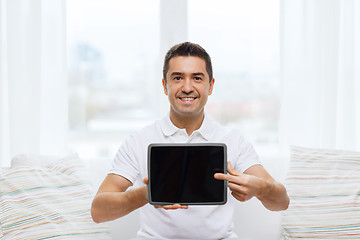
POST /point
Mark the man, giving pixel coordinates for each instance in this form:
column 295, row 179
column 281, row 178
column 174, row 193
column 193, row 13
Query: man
column 187, row 81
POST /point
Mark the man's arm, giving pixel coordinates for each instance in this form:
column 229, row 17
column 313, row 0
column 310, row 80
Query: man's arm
column 256, row 182
column 113, row 201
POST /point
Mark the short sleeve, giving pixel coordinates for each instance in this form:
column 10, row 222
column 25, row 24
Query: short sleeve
column 247, row 156
column 125, row 162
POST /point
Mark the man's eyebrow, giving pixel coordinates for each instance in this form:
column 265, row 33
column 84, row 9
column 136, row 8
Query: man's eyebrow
column 198, row 73
column 193, row 74
column 175, row 73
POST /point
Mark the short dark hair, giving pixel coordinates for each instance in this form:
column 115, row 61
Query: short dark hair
column 188, row 49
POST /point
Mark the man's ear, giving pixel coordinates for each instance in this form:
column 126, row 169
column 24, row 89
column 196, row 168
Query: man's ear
column 211, row 86
column 164, row 86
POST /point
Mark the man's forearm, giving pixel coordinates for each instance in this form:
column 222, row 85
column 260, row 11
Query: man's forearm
column 274, row 196
column 108, row 206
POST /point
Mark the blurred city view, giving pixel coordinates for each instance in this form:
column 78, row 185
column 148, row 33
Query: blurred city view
column 115, row 69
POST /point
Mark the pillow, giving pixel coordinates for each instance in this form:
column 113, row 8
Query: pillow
column 52, row 201
column 35, row 160
column 324, row 190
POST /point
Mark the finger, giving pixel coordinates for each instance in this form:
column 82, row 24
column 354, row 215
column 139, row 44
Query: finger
column 229, row 178
column 237, row 188
column 221, row 176
column 172, row 207
column 177, row 206
column 239, row 196
column 146, row 180
column 231, row 170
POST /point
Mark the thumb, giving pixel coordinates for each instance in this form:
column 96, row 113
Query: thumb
column 146, row 180
column 231, row 170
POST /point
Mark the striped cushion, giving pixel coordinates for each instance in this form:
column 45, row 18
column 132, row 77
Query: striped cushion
column 324, row 189
column 51, row 202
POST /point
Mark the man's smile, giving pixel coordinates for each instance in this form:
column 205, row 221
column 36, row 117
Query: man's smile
column 187, row 99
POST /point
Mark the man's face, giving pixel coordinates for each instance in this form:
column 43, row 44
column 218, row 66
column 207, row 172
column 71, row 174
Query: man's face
column 187, row 85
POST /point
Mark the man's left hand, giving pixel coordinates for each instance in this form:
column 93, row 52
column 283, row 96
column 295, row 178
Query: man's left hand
column 242, row 186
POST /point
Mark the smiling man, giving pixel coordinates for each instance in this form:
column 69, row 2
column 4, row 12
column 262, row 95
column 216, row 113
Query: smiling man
column 187, row 81
column 188, row 85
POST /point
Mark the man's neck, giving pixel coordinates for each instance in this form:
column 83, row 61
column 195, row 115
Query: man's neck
column 189, row 123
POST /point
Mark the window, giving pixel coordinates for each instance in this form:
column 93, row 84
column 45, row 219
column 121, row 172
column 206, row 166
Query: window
column 242, row 38
column 115, row 68
column 113, row 53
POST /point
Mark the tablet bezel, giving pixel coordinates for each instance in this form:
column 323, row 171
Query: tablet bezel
column 186, row 145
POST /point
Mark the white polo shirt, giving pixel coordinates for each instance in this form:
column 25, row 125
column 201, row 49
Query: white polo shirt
column 196, row 222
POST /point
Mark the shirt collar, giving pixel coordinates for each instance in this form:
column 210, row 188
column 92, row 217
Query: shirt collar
column 167, row 126
column 205, row 130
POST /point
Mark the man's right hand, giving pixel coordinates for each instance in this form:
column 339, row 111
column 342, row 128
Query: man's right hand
column 113, row 200
column 167, row 207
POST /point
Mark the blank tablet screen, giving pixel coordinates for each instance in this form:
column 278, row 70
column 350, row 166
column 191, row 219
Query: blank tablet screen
column 184, row 173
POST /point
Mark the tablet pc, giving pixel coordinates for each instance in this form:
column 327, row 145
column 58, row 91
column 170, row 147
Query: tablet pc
column 184, row 174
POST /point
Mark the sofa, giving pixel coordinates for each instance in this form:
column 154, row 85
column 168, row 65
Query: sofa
column 44, row 197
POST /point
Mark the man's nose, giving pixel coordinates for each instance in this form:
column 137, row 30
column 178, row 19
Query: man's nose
column 187, row 85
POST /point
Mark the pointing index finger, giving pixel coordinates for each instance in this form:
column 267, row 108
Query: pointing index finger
column 221, row 176
column 228, row 177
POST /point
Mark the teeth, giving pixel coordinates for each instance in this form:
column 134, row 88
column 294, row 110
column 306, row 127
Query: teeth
column 187, row 99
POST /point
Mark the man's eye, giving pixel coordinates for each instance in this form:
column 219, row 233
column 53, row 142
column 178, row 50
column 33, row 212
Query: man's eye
column 197, row 78
column 177, row 78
